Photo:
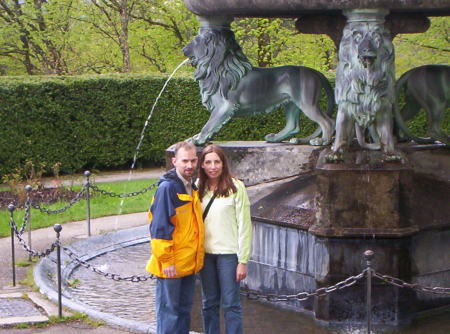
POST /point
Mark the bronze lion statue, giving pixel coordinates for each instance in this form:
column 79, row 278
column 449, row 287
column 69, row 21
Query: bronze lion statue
column 231, row 87
column 426, row 87
column 365, row 91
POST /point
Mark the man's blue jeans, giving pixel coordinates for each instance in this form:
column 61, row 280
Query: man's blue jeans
column 173, row 304
column 219, row 288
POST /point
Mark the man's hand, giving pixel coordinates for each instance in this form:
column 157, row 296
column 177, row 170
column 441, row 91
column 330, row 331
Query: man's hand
column 170, row 271
column 241, row 272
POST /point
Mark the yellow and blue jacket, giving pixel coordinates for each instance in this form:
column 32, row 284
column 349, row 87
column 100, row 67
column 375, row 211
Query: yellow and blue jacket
column 176, row 228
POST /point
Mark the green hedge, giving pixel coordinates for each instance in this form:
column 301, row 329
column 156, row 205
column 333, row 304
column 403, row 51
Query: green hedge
column 95, row 121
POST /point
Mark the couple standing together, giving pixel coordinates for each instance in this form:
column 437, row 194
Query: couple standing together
column 199, row 227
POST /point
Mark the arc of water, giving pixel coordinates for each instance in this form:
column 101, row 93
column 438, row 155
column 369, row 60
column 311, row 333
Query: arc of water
column 143, row 135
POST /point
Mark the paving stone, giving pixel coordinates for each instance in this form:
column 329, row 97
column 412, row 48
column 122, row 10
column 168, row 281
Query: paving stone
column 17, row 307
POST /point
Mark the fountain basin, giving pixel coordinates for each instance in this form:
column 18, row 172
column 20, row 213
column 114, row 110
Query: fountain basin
column 296, row 8
column 130, row 305
column 86, row 250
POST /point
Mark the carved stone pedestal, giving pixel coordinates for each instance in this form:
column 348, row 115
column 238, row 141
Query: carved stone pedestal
column 363, row 196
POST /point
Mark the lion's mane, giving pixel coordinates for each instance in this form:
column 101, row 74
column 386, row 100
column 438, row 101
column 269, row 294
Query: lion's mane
column 363, row 92
column 220, row 63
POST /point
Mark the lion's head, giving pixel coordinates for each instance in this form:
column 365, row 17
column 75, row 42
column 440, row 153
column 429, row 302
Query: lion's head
column 219, row 61
column 365, row 74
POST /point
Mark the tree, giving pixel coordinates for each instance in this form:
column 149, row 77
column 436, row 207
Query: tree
column 100, row 36
column 431, row 47
column 276, row 42
column 111, row 18
column 162, row 29
column 35, row 33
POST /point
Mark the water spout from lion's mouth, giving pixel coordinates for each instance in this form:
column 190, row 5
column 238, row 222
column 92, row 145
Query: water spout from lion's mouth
column 191, row 61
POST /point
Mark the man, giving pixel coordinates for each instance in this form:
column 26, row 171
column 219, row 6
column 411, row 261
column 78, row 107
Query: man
column 176, row 230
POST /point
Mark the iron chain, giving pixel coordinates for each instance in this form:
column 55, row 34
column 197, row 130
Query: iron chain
column 255, row 295
column 123, row 195
column 27, row 248
column 415, row 286
column 26, row 217
column 115, row 277
column 71, row 203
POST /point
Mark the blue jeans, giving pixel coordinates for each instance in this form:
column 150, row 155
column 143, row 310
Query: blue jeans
column 219, row 288
column 173, row 304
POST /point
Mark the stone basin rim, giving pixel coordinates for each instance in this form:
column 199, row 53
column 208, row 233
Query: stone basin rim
column 296, row 8
column 126, row 238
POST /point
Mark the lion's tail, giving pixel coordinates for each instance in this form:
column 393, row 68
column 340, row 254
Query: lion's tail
column 362, row 141
column 330, row 94
column 330, row 108
column 400, row 122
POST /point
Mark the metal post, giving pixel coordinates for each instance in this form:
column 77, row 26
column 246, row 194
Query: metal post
column 28, row 189
column 58, row 228
column 11, row 208
column 368, row 256
column 88, row 203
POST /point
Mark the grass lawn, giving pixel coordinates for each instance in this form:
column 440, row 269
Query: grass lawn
column 101, row 205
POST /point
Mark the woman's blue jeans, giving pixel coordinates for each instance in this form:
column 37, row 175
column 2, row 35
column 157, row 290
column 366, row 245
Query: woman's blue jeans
column 219, row 288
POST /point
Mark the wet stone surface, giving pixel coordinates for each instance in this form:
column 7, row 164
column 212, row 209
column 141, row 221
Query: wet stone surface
column 17, row 307
column 124, row 299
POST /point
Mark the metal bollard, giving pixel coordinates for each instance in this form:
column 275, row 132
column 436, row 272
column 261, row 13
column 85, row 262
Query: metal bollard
column 58, row 228
column 368, row 256
column 11, row 208
column 28, row 189
column 88, row 202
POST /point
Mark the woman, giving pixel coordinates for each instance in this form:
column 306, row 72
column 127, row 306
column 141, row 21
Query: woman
column 228, row 234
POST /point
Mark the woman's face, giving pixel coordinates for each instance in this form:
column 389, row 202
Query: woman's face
column 212, row 165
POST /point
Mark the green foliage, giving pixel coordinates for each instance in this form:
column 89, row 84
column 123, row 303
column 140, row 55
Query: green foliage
column 74, row 282
column 431, row 47
column 276, row 42
column 101, row 206
column 23, row 263
column 68, row 37
column 29, row 279
column 95, row 122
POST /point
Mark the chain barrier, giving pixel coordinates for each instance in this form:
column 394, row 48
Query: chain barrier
column 255, row 295
column 115, row 277
column 123, row 195
column 415, row 286
column 71, row 203
column 26, row 217
column 24, row 244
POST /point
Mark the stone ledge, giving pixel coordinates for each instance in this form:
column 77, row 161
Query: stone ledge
column 20, row 320
column 295, row 8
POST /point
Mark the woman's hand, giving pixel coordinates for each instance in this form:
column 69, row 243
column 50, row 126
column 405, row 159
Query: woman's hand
column 241, row 272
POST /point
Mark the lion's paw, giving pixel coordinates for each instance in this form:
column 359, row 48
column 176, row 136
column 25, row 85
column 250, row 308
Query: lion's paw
column 392, row 157
column 197, row 140
column 319, row 142
column 335, row 157
column 272, row 138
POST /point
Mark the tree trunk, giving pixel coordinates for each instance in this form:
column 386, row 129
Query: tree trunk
column 123, row 37
column 264, row 53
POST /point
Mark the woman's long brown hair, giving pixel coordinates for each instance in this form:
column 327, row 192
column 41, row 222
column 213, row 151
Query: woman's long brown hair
column 226, row 185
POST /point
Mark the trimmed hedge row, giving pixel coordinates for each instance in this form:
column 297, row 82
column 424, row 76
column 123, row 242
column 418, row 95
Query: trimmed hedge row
column 95, row 122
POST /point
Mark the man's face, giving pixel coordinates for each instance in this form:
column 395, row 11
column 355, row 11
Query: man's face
column 185, row 162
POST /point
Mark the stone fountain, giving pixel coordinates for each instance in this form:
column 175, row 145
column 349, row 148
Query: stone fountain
column 315, row 210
